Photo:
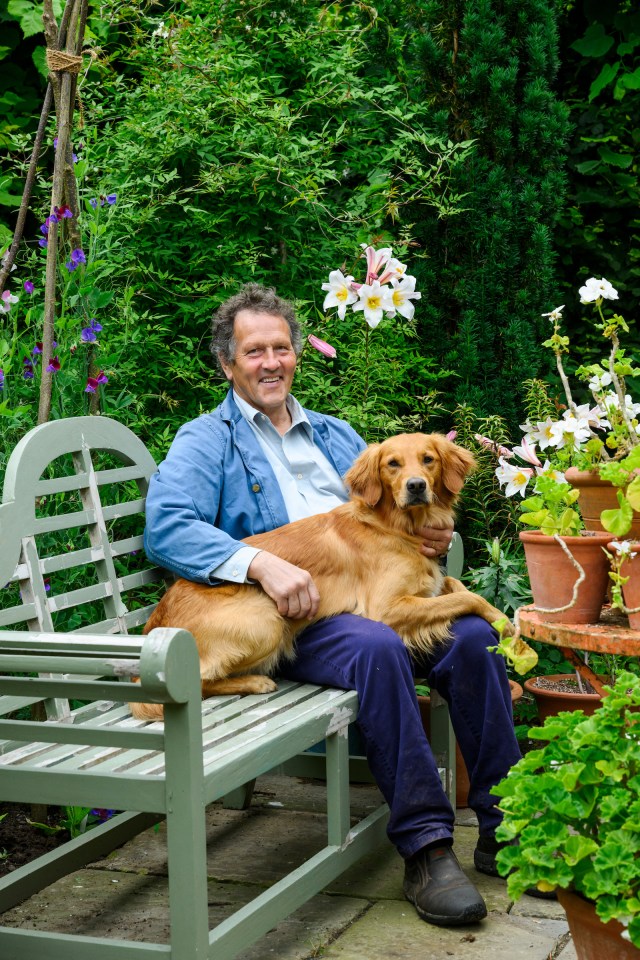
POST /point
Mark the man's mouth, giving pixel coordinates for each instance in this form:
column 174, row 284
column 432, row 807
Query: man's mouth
column 270, row 379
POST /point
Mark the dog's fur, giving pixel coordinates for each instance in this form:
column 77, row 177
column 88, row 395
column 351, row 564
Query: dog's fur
column 364, row 558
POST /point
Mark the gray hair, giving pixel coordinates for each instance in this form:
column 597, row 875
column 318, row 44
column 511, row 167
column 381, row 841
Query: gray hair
column 255, row 297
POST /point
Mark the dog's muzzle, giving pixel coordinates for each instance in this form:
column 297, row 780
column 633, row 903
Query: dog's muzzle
column 416, row 490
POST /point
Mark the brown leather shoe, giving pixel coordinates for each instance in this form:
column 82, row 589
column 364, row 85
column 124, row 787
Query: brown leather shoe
column 435, row 884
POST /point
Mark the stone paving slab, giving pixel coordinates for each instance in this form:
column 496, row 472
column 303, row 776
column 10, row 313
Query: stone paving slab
column 99, row 903
column 392, row 930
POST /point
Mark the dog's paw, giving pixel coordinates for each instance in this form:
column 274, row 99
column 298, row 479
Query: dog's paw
column 260, row 684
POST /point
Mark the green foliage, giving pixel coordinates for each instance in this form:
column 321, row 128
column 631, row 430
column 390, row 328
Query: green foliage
column 573, row 807
column 503, row 581
column 551, row 508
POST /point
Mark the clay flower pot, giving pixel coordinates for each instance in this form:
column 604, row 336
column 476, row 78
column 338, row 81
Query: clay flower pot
column 631, row 589
column 553, row 575
column 596, row 495
column 593, row 939
column 550, row 702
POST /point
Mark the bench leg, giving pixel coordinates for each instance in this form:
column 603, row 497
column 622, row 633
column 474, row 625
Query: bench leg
column 239, row 799
column 443, row 744
column 186, row 833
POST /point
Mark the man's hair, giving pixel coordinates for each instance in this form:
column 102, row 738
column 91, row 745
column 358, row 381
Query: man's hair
column 255, row 297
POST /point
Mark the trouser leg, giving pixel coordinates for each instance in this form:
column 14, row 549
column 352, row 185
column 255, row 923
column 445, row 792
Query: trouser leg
column 357, row 654
column 474, row 683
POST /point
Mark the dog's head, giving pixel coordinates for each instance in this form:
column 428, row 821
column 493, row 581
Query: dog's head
column 410, row 470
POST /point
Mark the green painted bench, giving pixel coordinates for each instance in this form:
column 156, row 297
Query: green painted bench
column 78, row 586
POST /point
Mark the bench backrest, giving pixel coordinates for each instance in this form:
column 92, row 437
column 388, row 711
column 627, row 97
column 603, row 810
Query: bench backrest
column 71, row 524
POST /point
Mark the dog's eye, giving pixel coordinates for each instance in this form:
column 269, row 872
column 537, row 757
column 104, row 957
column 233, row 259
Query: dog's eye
column 393, row 463
column 427, row 459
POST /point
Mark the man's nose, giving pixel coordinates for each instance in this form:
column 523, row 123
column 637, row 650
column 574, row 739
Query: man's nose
column 270, row 358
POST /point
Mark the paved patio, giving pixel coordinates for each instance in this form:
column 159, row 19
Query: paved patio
column 362, row 916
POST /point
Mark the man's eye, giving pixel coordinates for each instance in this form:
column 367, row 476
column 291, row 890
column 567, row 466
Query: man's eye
column 427, row 459
column 256, row 352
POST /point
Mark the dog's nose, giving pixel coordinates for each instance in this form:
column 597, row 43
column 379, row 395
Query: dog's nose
column 416, row 485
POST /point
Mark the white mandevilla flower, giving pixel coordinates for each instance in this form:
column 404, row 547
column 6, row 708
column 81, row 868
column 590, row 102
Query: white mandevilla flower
column 515, row 478
column 6, row 300
column 595, row 289
column 546, row 470
column 340, row 293
column 598, row 381
column 374, row 300
column 556, row 315
column 403, row 292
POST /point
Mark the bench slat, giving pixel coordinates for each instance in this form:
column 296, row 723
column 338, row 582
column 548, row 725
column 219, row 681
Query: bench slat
column 65, row 521
column 125, row 509
column 13, row 615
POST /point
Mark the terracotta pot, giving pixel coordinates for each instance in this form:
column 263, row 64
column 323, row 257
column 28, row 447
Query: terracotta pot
column 551, row 702
column 631, row 589
column 593, row 939
column 553, row 575
column 462, row 774
column 597, row 495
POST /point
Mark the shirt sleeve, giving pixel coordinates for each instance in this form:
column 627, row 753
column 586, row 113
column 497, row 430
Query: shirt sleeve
column 236, row 567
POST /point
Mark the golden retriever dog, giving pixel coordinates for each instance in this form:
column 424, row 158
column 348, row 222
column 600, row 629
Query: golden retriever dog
column 364, row 557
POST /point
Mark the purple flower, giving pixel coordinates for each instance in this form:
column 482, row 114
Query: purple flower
column 47, row 586
column 77, row 256
column 27, row 373
column 53, row 366
column 94, row 382
column 44, row 227
column 37, row 349
column 28, row 286
column 88, row 335
column 1, row 378
column 64, row 211
column 111, row 198
column 102, row 813
column 95, row 325
column 55, row 143
column 94, row 203
column 42, row 243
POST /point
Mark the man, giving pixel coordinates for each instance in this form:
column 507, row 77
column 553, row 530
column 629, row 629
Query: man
column 258, row 461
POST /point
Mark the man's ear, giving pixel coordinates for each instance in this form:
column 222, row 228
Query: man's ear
column 227, row 368
column 363, row 479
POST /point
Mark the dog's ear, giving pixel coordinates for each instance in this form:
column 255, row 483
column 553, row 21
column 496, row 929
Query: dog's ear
column 457, row 464
column 363, row 479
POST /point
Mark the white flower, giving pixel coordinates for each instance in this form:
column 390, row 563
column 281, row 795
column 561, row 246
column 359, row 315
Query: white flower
column 160, row 31
column 527, row 452
column 515, row 478
column 556, row 315
column 394, row 270
column 542, row 433
column 570, row 432
column 546, row 470
column 595, row 289
column 598, row 381
column 5, row 257
column 374, row 300
column 6, row 300
column 623, row 549
column 340, row 293
column 404, row 291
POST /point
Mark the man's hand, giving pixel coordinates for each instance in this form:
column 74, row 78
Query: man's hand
column 435, row 540
column 293, row 589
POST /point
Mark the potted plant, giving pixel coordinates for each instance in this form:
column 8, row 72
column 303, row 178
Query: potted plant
column 570, row 822
column 625, row 577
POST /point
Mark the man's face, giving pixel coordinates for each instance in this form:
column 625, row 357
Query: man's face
column 265, row 361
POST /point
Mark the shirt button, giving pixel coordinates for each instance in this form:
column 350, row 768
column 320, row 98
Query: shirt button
column 235, row 573
column 256, row 488
column 299, row 476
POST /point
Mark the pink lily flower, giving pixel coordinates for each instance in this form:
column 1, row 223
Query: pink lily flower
column 376, row 259
column 452, row 435
column 527, row 452
column 493, row 446
column 322, row 346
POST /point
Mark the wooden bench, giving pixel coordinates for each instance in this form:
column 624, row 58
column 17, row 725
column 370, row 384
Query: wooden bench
column 77, row 585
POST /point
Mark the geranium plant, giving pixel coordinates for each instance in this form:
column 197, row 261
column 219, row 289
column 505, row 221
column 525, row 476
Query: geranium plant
column 571, row 808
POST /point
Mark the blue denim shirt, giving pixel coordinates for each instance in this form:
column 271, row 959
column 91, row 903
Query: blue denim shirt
column 216, row 487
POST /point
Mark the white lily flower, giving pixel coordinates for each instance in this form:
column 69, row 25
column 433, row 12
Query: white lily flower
column 515, row 478
column 546, row 470
column 404, row 291
column 570, row 432
column 595, row 289
column 375, row 301
column 340, row 293
column 542, row 433
column 395, row 270
column 527, row 452
column 556, row 315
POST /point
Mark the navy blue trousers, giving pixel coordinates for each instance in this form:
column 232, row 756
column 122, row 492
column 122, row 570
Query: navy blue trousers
column 363, row 655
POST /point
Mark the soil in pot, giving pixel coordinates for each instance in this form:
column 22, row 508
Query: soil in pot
column 593, row 939
column 560, row 691
column 462, row 774
column 553, row 575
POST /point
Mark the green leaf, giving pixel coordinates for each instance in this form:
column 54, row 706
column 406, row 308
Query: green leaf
column 595, row 42
column 616, row 159
column 606, row 76
column 633, row 492
column 28, row 14
column 39, row 57
column 631, row 80
column 618, row 522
